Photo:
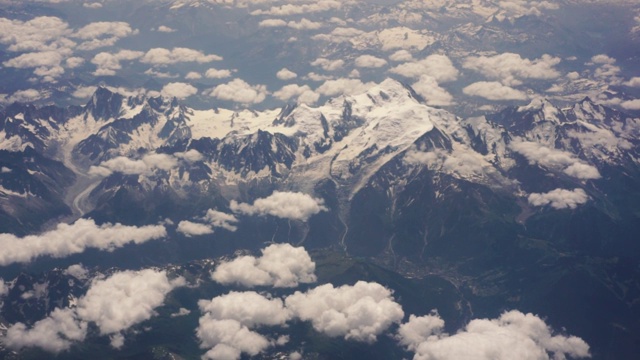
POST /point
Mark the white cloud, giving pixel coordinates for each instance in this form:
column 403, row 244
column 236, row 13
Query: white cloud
column 192, row 75
column 162, row 56
column 281, row 265
column 35, row 60
column 189, row 228
column 220, row 219
column 101, row 28
column 328, row 65
column 602, row 59
column 537, row 153
column 248, row 308
column 54, row 334
column 272, row 23
column 303, row 94
column 71, row 239
column 94, row 5
column 370, row 61
column 224, row 327
column 43, row 33
column 513, row 335
column 181, row 312
column 434, row 94
column 304, row 24
column 22, row 96
column 125, row 299
column 559, row 198
column 238, row 90
column 343, row 86
column 437, row 66
column 84, row 92
column 108, row 63
column 102, row 33
column 165, row 29
column 146, row 165
column 631, row 104
column 295, row 9
column 160, row 74
column 74, row 62
column 179, row 90
column 401, row 55
column 360, row 312
column 4, row 288
column 633, row 82
column 287, row 205
column 286, row 74
column 191, row 156
column 77, row 271
column 217, row 74
column 493, row 90
column 510, row 68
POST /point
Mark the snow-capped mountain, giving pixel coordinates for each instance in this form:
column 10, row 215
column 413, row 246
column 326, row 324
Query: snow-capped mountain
column 397, row 180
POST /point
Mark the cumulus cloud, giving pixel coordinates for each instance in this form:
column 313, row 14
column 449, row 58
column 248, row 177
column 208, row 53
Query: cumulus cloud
column 401, row 55
column 343, row 86
column 510, row 68
column 178, row 90
column 559, row 198
column 286, row 74
column 94, row 5
column 102, row 33
column 114, row 304
column 437, row 66
column 513, row 335
column 22, row 96
column 434, row 94
column 224, row 327
column 303, row 94
column 494, row 90
column 370, row 61
column 281, row 265
column 71, row 239
column 108, row 63
column 217, row 74
column 602, row 59
column 77, row 271
column 633, row 82
column 540, row 154
column 54, row 334
column 192, row 75
column 360, row 312
column 144, row 166
column 238, row 90
column 191, row 156
column 165, row 29
column 42, row 33
column 287, row 205
column 4, row 288
column 298, row 9
column 74, row 62
column 189, row 228
column 631, row 104
column 124, row 299
column 304, row 24
column 220, row 219
column 272, row 23
column 162, row 56
column 328, row 65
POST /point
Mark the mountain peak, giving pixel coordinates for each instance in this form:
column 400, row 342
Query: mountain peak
column 104, row 103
